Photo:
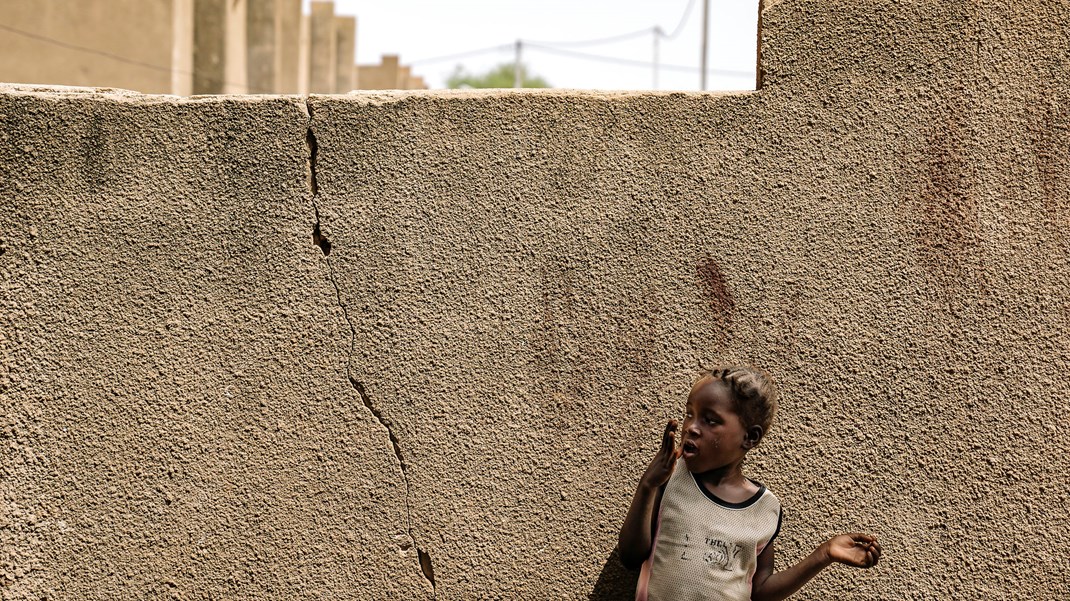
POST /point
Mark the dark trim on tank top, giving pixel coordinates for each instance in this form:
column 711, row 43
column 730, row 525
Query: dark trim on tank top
column 779, row 522
column 726, row 504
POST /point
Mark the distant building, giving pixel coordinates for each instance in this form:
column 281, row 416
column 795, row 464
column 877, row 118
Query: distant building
column 389, row 74
column 188, row 47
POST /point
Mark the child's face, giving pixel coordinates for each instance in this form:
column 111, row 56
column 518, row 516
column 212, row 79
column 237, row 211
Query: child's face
column 713, row 435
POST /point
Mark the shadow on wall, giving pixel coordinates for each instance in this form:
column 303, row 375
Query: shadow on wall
column 615, row 583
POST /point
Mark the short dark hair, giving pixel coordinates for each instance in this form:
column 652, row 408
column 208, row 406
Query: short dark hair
column 753, row 392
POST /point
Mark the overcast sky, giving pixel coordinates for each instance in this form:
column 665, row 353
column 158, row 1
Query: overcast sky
column 421, row 31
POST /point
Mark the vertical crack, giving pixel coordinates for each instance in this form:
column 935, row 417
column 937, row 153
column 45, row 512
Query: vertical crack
column 425, row 558
column 313, row 155
column 325, row 245
column 313, row 185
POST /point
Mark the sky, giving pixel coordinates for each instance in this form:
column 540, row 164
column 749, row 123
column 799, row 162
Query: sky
column 425, row 33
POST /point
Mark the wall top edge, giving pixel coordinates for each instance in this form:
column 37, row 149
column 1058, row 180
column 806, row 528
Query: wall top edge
column 388, row 96
column 129, row 96
column 361, row 96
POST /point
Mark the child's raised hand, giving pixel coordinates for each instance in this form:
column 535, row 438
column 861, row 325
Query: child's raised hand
column 659, row 470
column 854, row 549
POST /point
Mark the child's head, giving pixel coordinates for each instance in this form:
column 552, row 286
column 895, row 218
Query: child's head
column 752, row 392
column 727, row 414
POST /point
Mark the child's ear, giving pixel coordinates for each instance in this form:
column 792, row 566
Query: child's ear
column 752, row 437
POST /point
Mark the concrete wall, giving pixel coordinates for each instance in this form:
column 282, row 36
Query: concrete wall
column 151, row 52
column 198, row 401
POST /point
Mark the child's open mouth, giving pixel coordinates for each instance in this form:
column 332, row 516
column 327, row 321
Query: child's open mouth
column 688, row 449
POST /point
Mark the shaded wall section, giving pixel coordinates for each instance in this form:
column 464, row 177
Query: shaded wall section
column 176, row 416
column 407, row 345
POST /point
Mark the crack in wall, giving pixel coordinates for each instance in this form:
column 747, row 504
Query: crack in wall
column 325, row 245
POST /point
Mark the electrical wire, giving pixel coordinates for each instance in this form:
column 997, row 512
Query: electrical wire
column 656, row 30
column 549, row 47
column 598, row 41
column 680, row 25
column 637, row 63
column 437, row 59
column 119, row 58
column 116, row 57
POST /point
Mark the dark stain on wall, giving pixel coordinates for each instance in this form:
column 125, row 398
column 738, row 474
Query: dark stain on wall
column 715, row 290
column 1050, row 138
column 947, row 222
column 636, row 342
column 560, row 286
column 94, row 145
column 789, row 312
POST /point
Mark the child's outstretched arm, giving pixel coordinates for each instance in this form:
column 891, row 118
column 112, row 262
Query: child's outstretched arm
column 855, row 549
column 635, row 535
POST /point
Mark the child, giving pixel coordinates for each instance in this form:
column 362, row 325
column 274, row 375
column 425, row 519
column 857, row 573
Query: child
column 712, row 537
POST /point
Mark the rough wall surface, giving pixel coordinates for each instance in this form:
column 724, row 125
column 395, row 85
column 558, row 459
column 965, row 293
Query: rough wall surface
column 397, row 339
column 176, row 415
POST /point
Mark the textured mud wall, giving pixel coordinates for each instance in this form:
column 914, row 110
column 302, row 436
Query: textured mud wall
column 348, row 347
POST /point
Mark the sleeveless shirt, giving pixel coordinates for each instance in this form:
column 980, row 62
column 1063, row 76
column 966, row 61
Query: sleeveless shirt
column 704, row 547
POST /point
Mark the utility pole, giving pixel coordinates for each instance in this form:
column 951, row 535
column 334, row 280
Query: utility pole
column 705, row 39
column 518, row 81
column 657, row 42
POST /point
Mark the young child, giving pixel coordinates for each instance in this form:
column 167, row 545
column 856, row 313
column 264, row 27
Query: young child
column 699, row 528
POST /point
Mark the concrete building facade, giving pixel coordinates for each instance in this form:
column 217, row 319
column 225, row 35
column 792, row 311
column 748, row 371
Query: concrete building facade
column 180, row 46
column 83, row 44
column 389, row 74
column 345, row 29
column 219, row 47
column 322, row 48
column 289, row 47
column 263, row 37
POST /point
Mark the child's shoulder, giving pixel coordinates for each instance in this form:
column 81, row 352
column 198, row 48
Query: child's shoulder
column 764, row 494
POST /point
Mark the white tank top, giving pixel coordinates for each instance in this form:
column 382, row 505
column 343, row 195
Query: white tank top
column 706, row 548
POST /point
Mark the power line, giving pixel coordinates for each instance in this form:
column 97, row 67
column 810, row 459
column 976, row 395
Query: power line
column 597, row 41
column 637, row 63
column 121, row 59
column 548, row 47
column 656, row 30
column 680, row 25
column 437, row 59
column 116, row 57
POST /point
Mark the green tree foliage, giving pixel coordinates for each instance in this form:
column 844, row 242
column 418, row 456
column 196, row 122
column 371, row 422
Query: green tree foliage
column 498, row 77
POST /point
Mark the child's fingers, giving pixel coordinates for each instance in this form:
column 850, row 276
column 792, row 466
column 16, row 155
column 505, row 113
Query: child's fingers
column 872, row 554
column 860, row 537
column 668, row 439
column 875, row 547
column 671, row 454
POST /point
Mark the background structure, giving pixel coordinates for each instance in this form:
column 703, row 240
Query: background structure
column 421, row 345
column 185, row 47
